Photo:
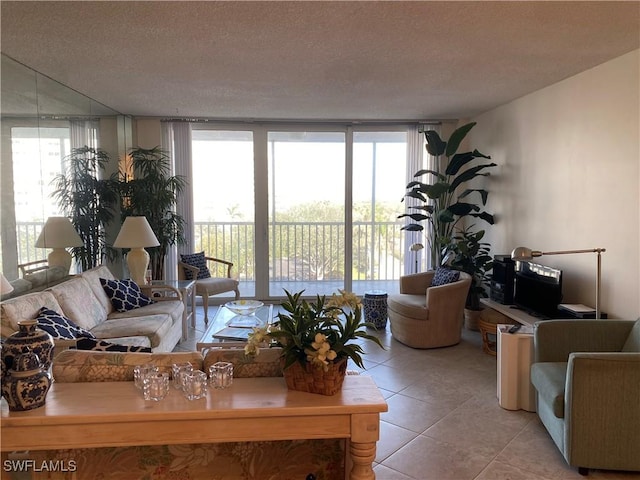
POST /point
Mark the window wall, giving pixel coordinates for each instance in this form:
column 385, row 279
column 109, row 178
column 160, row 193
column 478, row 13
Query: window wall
column 302, row 208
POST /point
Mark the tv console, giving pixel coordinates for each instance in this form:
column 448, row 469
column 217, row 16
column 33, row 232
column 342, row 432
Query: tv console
column 518, row 314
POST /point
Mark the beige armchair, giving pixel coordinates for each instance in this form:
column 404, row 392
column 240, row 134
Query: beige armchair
column 207, row 287
column 422, row 316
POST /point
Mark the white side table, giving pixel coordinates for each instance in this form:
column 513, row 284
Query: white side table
column 515, row 356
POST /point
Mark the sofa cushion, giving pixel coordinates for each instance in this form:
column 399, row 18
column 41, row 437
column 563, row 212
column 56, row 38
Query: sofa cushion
column 412, row 306
column 125, row 295
column 549, row 378
column 104, row 346
column 59, row 326
column 173, row 308
column 444, row 276
column 633, row 340
column 95, row 366
column 196, row 260
column 79, row 303
column 24, row 307
column 155, row 327
column 93, row 276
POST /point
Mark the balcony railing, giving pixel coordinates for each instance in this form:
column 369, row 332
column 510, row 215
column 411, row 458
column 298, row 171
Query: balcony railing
column 299, row 252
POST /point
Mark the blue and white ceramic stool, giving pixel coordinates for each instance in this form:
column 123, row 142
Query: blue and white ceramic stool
column 375, row 308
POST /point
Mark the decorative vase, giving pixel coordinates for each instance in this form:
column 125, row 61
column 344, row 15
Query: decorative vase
column 312, row 379
column 25, row 386
column 27, row 339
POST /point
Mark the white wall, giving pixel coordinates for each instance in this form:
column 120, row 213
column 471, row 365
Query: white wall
column 568, row 177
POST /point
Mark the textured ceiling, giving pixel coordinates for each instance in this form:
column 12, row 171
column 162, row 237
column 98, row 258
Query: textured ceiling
column 355, row 60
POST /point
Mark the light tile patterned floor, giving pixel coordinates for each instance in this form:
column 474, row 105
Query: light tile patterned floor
column 444, row 421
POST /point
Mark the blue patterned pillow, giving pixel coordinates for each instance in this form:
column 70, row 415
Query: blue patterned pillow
column 59, row 326
column 444, row 276
column 103, row 346
column 125, row 295
column 196, row 260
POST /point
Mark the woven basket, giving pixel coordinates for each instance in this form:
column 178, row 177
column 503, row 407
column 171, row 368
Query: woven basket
column 312, row 379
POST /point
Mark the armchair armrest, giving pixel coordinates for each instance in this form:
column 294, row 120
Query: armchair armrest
column 223, row 262
column 601, row 406
column 183, row 267
column 554, row 340
column 416, row 283
column 161, row 292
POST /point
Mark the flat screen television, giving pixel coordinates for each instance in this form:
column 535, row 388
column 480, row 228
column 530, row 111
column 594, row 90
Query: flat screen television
column 538, row 288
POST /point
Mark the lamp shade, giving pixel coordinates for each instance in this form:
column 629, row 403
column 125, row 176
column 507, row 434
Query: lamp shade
column 136, row 233
column 58, row 232
column 5, row 286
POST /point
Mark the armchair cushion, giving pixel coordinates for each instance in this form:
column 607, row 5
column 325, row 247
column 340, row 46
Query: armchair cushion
column 444, row 276
column 59, row 326
column 125, row 295
column 549, row 378
column 197, row 260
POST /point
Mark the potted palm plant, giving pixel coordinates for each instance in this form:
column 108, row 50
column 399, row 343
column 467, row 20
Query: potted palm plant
column 443, row 200
column 468, row 253
column 148, row 189
column 89, row 201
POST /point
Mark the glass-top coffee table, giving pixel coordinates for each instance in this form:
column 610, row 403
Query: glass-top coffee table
column 229, row 329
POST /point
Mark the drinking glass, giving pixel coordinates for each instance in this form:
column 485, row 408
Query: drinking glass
column 221, row 374
column 140, row 372
column 177, row 370
column 155, row 386
column 195, row 384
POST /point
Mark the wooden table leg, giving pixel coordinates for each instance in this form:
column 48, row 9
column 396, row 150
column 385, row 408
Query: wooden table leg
column 365, row 432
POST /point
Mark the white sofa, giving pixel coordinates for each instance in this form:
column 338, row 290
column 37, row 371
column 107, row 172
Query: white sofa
column 83, row 300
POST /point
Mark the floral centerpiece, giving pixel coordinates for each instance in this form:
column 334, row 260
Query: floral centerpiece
column 317, row 339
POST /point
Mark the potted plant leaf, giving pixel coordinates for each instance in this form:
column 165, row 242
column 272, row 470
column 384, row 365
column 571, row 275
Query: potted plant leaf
column 443, row 200
column 147, row 188
column 468, row 253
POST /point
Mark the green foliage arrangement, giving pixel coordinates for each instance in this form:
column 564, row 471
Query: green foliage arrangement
column 472, row 255
column 316, row 332
column 443, row 201
column 88, row 200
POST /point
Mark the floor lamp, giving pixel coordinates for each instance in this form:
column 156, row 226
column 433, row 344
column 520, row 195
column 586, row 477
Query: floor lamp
column 524, row 253
column 136, row 234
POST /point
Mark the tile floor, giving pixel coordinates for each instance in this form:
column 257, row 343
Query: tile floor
column 444, row 421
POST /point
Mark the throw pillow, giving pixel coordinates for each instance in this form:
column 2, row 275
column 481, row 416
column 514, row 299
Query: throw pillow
column 59, row 326
column 125, row 295
column 444, row 276
column 196, row 260
column 103, row 346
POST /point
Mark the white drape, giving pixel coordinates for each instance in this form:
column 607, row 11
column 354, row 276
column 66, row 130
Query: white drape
column 176, row 140
column 83, row 133
column 417, row 159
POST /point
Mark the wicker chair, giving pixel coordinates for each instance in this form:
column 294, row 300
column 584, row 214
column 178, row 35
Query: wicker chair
column 207, row 287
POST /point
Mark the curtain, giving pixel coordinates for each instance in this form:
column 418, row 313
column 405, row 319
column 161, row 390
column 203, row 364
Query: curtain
column 83, row 133
column 176, row 140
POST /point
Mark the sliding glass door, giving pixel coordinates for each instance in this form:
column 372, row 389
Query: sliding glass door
column 306, row 212
column 311, row 209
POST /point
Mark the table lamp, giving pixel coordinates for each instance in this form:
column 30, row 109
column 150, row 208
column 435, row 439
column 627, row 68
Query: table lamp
column 136, row 234
column 5, row 286
column 524, row 253
column 59, row 233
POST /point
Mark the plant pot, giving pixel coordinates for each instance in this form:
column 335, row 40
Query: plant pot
column 312, row 379
column 471, row 318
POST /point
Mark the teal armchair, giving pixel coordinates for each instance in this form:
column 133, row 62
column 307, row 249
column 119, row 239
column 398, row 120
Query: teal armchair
column 587, row 377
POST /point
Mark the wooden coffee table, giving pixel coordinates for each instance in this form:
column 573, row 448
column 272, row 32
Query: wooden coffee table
column 226, row 320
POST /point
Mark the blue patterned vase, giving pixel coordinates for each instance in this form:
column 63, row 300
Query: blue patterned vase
column 27, row 339
column 25, row 386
